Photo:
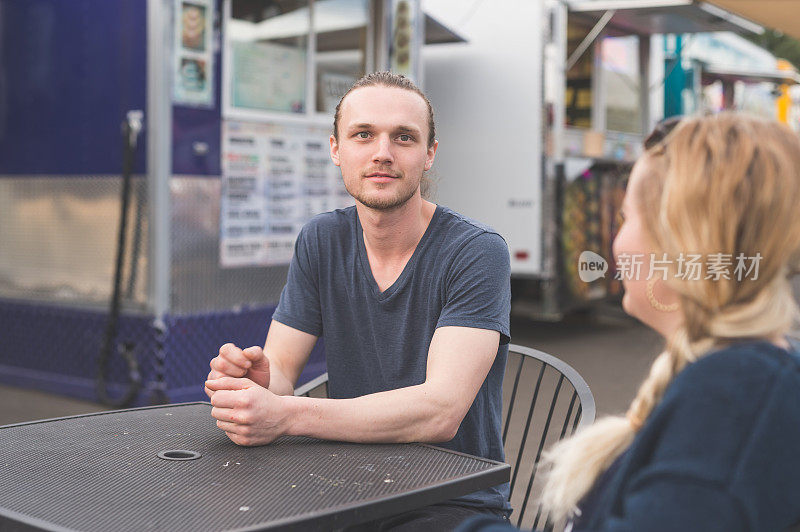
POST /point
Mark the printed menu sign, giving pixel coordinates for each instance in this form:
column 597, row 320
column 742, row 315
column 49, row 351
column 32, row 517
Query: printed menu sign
column 275, row 178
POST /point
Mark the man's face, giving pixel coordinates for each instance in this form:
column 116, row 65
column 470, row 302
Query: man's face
column 382, row 148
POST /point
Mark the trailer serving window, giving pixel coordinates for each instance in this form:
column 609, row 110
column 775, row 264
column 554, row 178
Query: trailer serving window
column 621, row 79
column 603, row 85
column 340, row 28
column 578, row 96
column 291, row 58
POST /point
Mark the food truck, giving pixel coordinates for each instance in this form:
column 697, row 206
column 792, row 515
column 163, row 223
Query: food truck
column 158, row 158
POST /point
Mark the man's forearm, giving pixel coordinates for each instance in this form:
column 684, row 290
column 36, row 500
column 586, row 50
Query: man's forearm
column 279, row 384
column 412, row 414
column 458, row 362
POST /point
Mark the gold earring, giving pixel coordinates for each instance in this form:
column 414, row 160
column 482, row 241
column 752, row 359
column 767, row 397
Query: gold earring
column 655, row 303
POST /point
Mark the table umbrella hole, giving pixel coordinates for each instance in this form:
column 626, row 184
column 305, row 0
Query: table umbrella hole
column 179, row 454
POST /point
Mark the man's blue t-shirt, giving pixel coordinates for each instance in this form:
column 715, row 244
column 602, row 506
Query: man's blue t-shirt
column 459, row 275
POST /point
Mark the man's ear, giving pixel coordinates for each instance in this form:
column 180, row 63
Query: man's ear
column 431, row 155
column 334, row 150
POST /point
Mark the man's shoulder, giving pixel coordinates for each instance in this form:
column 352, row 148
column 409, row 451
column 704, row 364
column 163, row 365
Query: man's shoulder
column 464, row 223
column 461, row 243
column 456, row 227
column 328, row 224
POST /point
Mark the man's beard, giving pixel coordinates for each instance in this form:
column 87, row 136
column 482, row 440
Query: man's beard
column 381, row 203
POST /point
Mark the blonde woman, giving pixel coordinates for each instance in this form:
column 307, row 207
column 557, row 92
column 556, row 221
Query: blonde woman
column 712, row 439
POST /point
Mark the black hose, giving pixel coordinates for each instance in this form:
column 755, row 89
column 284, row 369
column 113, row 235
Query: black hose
column 133, row 264
column 112, row 326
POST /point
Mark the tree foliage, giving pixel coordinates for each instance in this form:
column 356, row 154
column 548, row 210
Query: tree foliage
column 780, row 45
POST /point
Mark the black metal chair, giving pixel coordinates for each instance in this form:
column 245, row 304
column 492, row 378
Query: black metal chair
column 544, row 400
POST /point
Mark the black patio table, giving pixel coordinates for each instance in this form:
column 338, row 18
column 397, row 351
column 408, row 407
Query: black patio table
column 170, row 468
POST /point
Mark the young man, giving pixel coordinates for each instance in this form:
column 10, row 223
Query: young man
column 412, row 298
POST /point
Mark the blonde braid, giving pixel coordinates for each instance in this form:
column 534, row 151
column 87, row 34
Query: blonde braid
column 662, row 371
column 773, row 305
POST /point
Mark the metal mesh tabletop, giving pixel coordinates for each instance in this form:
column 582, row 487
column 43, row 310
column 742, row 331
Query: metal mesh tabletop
column 102, row 472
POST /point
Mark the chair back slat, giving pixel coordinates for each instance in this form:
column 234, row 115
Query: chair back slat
column 568, row 416
column 578, row 419
column 519, row 460
column 542, row 440
column 511, row 401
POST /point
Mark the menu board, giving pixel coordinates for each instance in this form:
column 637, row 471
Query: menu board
column 275, row 178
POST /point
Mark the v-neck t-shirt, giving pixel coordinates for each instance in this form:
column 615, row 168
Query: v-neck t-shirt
column 458, row 275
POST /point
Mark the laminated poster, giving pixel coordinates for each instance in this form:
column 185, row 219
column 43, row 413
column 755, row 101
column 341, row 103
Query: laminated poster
column 193, row 59
column 274, row 179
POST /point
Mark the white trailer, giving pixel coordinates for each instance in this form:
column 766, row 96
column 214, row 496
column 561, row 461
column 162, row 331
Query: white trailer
column 506, row 156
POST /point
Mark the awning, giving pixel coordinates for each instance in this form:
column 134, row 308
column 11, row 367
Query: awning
column 647, row 17
column 338, row 28
column 782, row 15
column 712, row 73
column 438, row 33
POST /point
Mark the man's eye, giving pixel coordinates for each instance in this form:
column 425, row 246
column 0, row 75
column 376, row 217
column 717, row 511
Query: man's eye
column 405, row 138
column 363, row 134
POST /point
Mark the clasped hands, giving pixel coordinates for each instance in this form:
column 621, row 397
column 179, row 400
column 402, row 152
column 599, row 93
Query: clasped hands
column 242, row 404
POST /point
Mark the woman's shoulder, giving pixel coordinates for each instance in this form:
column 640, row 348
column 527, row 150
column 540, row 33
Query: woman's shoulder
column 732, row 365
column 729, row 387
column 739, row 393
column 754, row 428
column 731, row 422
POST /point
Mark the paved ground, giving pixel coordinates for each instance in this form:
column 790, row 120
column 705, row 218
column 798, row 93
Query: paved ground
column 19, row 405
column 611, row 351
